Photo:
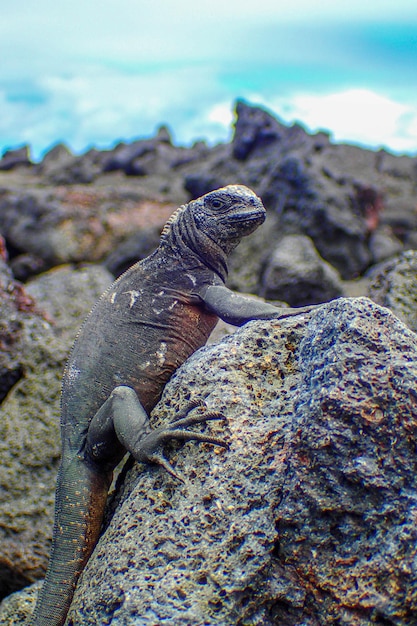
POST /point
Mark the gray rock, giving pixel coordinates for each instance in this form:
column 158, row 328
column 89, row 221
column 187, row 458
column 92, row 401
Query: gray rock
column 293, row 173
column 57, row 157
column 30, row 223
column 249, row 258
column 297, row 274
column 383, row 244
column 135, row 248
column 339, row 235
column 150, row 157
column 49, row 227
column 14, row 158
column 199, row 183
column 60, row 167
column 16, row 608
column 316, row 188
column 67, row 295
column 255, row 128
column 124, row 156
column 38, row 324
column 308, row 518
column 289, row 187
column 394, row 284
column 311, row 203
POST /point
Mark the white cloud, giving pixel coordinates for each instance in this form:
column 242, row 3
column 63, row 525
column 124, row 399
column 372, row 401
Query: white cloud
column 101, row 106
column 354, row 115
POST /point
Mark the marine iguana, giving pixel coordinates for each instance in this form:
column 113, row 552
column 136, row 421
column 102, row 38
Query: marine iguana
column 143, row 328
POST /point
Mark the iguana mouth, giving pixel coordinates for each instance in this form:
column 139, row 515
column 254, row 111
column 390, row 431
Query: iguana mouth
column 250, row 216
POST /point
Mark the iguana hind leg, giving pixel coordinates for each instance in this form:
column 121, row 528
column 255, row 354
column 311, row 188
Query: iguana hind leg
column 122, row 418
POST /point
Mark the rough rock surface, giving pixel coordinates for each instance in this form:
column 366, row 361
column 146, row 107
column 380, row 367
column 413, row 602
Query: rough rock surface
column 37, row 326
column 394, row 285
column 75, row 224
column 308, row 518
column 16, row 608
column 336, row 194
column 296, row 274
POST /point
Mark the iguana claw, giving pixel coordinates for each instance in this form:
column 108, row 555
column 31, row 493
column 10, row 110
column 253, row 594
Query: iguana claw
column 176, row 430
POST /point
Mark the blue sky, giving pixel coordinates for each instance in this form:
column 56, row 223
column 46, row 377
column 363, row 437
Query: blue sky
column 90, row 72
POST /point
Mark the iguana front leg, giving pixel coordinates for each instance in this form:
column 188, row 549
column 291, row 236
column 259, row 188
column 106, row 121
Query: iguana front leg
column 122, row 424
column 236, row 309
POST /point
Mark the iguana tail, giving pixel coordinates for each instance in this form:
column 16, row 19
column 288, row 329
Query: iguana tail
column 80, row 500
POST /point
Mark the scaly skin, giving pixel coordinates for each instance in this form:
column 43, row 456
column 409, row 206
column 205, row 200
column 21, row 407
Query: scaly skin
column 141, row 330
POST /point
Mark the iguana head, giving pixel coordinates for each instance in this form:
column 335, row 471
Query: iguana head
column 228, row 214
column 213, row 225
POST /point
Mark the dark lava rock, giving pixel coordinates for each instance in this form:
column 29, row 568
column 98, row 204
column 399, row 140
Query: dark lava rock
column 290, row 186
column 358, row 206
column 308, row 518
column 255, row 128
column 394, row 285
column 200, row 183
column 44, row 228
column 135, row 248
column 14, row 158
column 60, row 167
column 293, row 173
column 150, row 157
column 124, row 157
column 296, row 274
column 339, row 236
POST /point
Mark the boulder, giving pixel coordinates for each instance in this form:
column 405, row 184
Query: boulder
column 124, row 156
column 135, row 248
column 393, row 284
column 383, row 245
column 292, row 172
column 308, row 518
column 14, row 158
column 148, row 157
column 254, row 128
column 199, row 183
column 56, row 158
column 297, row 274
column 45, row 227
column 289, row 186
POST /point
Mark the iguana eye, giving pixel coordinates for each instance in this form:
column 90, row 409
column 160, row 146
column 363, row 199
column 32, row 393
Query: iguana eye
column 216, row 204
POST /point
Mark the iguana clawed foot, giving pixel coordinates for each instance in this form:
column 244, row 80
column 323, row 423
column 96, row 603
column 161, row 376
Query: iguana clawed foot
column 192, row 414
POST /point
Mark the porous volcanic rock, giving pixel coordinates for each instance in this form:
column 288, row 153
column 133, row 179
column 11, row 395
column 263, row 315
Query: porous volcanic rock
column 394, row 284
column 74, row 224
column 38, row 324
column 308, row 518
